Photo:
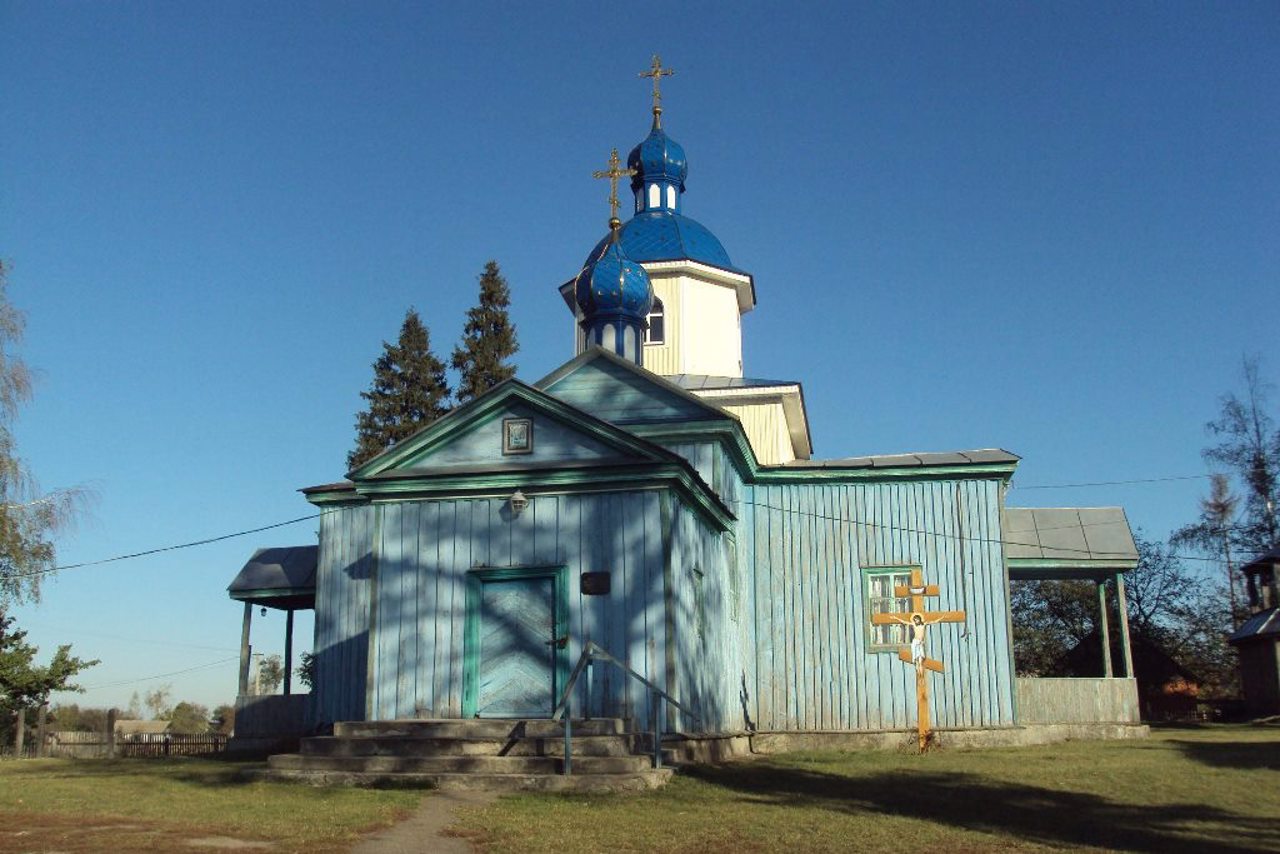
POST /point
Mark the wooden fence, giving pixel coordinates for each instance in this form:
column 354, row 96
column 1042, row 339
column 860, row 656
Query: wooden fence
column 83, row 745
column 1077, row 701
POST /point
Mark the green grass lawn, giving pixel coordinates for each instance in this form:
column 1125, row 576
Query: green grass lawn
column 163, row 805
column 1205, row 789
column 1184, row 790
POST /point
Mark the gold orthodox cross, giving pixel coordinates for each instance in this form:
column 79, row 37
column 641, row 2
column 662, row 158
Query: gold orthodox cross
column 613, row 173
column 917, row 621
column 657, row 72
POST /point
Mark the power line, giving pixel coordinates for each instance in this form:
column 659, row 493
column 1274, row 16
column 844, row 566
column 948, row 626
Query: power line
column 222, row 537
column 943, row 535
column 162, row 549
column 144, row 641
column 162, row 675
column 1113, row 482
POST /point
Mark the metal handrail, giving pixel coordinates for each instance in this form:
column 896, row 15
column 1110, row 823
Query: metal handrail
column 591, row 653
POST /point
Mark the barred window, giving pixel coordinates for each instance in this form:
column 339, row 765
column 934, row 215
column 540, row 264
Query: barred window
column 880, row 600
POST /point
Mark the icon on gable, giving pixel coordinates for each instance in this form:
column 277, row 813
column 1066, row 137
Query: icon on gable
column 517, row 435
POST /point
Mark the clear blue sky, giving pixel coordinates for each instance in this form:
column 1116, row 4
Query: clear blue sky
column 1051, row 228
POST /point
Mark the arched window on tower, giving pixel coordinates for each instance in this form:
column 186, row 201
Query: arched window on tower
column 656, row 333
column 655, row 196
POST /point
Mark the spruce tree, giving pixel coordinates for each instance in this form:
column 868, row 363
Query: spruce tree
column 409, row 391
column 489, row 339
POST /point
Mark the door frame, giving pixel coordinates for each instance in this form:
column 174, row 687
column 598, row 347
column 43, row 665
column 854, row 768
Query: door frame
column 476, row 579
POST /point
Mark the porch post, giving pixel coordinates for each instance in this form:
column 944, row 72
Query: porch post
column 244, row 649
column 288, row 651
column 1124, row 625
column 1105, row 630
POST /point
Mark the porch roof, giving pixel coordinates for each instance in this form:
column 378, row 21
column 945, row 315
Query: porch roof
column 282, row 577
column 1067, row 542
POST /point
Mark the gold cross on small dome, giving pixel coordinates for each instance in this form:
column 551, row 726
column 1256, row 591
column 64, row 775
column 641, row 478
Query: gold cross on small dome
column 657, row 72
column 613, row 173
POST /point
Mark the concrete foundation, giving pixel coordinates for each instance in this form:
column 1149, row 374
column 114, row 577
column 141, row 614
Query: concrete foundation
column 719, row 748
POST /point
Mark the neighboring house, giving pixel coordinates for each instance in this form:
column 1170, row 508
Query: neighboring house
column 127, row 729
column 647, row 498
column 1257, row 641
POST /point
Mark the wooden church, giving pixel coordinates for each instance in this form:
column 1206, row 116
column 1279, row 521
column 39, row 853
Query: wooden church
column 648, row 504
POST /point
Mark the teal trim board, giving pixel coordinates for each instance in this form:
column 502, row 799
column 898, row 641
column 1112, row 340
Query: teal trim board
column 516, row 656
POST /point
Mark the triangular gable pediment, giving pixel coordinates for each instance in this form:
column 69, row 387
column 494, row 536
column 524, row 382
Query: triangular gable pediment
column 621, row 392
column 514, row 425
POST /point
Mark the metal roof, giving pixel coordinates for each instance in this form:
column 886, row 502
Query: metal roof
column 699, row 382
column 662, row 235
column 1263, row 561
column 1089, row 535
column 1264, row 624
column 283, row 577
column 923, row 460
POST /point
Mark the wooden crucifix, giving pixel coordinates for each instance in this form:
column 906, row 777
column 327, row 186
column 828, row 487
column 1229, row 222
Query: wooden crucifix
column 917, row 622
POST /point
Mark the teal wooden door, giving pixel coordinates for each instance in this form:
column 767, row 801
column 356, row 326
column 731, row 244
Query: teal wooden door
column 517, row 632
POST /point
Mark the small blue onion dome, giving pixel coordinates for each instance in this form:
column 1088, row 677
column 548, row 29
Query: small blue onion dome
column 658, row 158
column 612, row 285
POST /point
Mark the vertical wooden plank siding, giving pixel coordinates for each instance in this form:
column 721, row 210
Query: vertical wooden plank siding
column 427, row 548
column 811, row 544
column 343, row 590
column 391, row 600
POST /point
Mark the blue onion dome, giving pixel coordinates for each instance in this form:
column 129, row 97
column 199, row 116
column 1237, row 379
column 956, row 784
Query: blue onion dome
column 663, row 235
column 612, row 285
column 659, row 158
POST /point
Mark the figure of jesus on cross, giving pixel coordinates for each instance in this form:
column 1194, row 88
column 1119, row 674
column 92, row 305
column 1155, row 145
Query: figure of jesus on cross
column 917, row 621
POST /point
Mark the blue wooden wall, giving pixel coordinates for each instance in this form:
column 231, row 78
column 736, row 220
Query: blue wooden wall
column 344, row 583
column 813, row 670
column 425, row 549
column 767, row 623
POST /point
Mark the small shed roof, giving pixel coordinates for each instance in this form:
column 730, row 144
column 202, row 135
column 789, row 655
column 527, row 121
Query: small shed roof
column 1261, row 626
column 282, row 577
column 1067, row 542
column 1266, row 560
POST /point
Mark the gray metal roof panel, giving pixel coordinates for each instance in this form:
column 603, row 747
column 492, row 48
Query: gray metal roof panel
column 707, row 382
column 282, row 568
column 920, row 460
column 991, row 455
column 1068, row 533
column 950, row 458
column 1263, row 624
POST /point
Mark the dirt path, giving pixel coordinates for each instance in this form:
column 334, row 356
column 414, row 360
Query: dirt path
column 421, row 832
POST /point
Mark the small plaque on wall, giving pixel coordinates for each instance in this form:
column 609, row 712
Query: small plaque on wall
column 517, row 436
column 595, row 583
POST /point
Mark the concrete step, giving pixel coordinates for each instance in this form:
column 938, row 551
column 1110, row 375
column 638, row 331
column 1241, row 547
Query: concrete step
column 458, row 764
column 590, row 745
column 477, row 728
column 578, row 783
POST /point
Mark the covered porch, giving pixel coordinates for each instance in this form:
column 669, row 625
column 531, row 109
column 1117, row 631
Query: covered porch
column 1078, row 544
column 281, row 579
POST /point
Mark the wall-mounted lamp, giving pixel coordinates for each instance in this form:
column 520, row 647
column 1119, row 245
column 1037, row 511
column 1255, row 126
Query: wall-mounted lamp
column 518, row 502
